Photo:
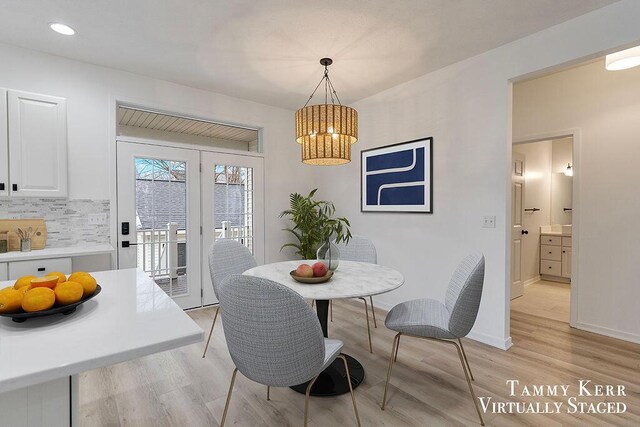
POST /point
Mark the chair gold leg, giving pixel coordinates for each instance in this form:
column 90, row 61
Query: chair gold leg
column 215, row 316
column 395, row 358
column 306, row 400
column 396, row 341
column 353, row 397
column 466, row 360
column 466, row 375
column 366, row 312
column 226, row 405
column 373, row 311
column 331, row 310
column 268, row 395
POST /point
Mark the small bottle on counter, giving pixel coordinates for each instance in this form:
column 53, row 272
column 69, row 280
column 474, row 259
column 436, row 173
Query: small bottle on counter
column 4, row 242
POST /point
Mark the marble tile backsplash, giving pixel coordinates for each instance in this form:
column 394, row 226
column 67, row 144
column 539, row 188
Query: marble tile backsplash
column 67, row 220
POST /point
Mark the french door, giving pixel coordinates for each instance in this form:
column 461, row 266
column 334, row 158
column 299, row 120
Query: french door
column 232, row 206
column 159, row 217
column 173, row 203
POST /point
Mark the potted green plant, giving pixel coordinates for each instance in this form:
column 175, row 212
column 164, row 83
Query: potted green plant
column 314, row 227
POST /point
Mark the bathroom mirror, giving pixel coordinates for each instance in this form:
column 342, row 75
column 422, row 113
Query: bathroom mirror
column 561, row 198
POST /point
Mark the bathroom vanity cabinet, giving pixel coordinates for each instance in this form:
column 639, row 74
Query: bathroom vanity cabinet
column 555, row 257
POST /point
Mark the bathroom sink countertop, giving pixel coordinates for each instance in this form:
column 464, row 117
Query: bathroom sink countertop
column 555, row 233
column 57, row 253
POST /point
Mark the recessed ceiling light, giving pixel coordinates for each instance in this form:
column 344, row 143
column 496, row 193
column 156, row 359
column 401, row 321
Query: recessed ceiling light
column 624, row 59
column 62, row 29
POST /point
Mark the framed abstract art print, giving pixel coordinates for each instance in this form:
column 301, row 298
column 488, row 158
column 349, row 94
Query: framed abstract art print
column 398, row 177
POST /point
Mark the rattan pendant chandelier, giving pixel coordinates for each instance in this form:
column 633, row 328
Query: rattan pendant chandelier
column 326, row 131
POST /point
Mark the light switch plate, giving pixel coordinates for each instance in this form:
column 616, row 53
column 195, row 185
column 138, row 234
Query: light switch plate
column 98, row 219
column 489, row 221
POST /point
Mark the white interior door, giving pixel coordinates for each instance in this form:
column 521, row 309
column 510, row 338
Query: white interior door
column 517, row 217
column 159, row 217
column 232, row 206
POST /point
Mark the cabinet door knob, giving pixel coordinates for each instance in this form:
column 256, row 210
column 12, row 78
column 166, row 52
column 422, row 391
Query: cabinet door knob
column 1, row 186
column 15, row 187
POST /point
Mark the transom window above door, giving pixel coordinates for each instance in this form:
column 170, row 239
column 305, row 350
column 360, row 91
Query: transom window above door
column 142, row 123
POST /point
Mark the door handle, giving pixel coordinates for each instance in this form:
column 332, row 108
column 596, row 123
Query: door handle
column 1, row 186
column 15, row 187
column 524, row 231
column 126, row 244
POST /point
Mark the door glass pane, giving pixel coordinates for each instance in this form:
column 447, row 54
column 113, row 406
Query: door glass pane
column 161, row 222
column 233, row 204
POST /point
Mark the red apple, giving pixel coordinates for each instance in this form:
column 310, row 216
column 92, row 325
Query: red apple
column 319, row 269
column 304, row 270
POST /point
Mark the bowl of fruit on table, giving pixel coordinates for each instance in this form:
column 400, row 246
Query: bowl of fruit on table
column 312, row 274
column 32, row 296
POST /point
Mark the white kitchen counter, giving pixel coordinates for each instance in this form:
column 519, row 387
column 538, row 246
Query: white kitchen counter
column 130, row 318
column 48, row 253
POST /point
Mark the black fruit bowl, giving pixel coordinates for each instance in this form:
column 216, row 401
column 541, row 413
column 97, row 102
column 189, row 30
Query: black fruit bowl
column 64, row 309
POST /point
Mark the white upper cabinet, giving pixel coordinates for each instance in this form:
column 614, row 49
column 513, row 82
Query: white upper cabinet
column 37, row 145
column 4, row 146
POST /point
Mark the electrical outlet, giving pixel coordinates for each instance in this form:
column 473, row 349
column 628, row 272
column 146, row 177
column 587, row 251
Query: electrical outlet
column 98, row 219
column 489, row 221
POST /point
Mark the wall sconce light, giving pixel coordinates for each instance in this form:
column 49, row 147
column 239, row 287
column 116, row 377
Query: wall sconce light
column 569, row 170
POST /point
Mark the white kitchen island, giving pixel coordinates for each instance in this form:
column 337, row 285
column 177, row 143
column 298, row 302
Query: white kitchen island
column 41, row 358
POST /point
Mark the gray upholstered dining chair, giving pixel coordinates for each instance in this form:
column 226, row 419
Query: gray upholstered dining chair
column 445, row 322
column 360, row 249
column 274, row 337
column 226, row 257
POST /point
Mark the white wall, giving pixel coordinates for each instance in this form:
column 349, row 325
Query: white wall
column 537, row 194
column 562, row 149
column 604, row 106
column 466, row 108
column 91, row 92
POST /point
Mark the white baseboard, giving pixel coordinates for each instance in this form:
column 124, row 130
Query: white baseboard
column 497, row 342
column 613, row 333
column 532, row 281
column 502, row 344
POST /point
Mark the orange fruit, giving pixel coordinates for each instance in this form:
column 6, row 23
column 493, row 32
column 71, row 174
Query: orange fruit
column 10, row 300
column 68, row 293
column 23, row 281
column 61, row 277
column 44, row 282
column 88, row 284
column 73, row 276
column 24, row 289
column 38, row 299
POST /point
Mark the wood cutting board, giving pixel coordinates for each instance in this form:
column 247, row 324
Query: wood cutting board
column 39, row 238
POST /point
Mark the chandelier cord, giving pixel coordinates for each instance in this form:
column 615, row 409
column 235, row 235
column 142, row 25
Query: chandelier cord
column 328, row 89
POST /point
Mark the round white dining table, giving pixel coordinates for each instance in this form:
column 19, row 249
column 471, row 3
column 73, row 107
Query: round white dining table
column 351, row 280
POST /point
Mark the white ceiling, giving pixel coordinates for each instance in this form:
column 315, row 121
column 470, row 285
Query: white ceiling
column 268, row 50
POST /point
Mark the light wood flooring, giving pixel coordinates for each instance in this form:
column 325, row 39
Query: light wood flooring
column 544, row 299
column 179, row 388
